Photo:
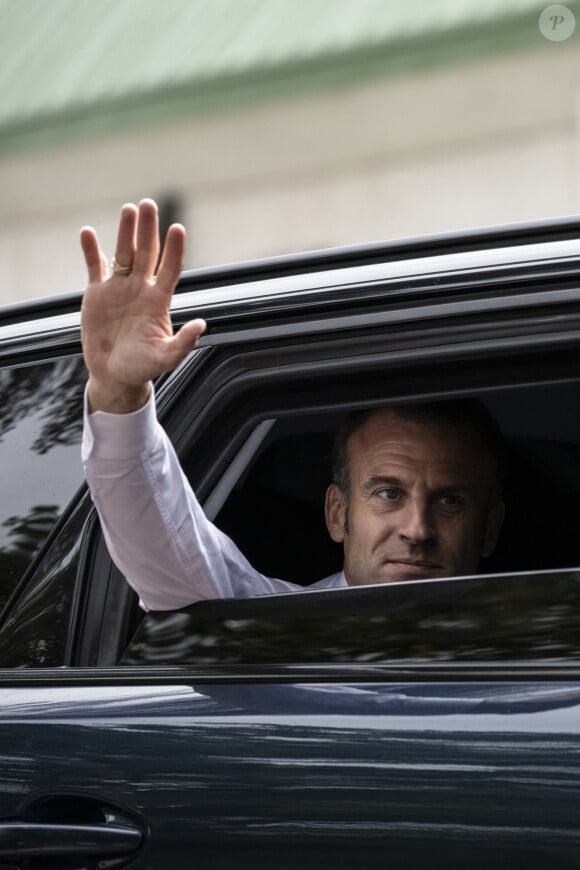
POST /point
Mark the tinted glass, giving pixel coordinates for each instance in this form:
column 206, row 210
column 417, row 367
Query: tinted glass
column 40, row 434
column 517, row 618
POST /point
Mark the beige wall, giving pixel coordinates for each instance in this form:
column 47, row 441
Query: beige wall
column 493, row 142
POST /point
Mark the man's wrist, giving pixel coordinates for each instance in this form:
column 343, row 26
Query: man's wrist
column 117, row 398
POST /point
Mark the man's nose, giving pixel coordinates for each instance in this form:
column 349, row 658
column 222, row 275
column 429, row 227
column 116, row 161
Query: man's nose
column 416, row 525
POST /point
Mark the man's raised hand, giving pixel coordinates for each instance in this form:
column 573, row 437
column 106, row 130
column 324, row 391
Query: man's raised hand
column 127, row 333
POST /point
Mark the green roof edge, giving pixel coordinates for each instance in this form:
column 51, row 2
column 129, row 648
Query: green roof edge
column 327, row 73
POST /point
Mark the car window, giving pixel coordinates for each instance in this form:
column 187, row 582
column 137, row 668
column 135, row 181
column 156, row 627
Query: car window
column 531, row 615
column 274, row 505
column 40, row 433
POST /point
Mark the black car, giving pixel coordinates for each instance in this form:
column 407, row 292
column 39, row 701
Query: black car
column 432, row 723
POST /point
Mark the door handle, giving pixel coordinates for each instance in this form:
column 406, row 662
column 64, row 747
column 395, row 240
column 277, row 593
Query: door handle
column 77, row 828
column 34, row 839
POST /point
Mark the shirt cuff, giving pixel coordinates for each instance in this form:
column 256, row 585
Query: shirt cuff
column 118, row 436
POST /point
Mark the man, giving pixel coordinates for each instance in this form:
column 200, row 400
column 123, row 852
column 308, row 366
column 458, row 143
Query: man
column 416, row 492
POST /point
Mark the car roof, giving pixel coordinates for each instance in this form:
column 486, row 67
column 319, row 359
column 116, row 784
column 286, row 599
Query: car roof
column 555, row 239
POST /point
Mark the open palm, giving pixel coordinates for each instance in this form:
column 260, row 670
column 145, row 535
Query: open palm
column 127, row 333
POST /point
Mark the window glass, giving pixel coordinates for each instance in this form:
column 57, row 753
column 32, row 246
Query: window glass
column 518, row 618
column 40, row 434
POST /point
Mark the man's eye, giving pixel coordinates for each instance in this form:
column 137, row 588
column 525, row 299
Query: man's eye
column 451, row 500
column 389, row 494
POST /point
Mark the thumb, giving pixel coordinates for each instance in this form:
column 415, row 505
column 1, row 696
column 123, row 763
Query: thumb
column 185, row 340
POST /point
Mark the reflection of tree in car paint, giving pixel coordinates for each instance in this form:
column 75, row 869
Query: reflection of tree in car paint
column 40, row 409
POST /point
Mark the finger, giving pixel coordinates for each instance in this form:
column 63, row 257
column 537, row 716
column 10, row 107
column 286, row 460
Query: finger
column 147, row 251
column 125, row 250
column 184, row 341
column 95, row 261
column 172, row 259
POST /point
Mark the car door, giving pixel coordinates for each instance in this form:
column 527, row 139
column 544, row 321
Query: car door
column 408, row 723
column 345, row 746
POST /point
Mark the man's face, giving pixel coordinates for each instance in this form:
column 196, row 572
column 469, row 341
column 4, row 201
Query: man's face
column 419, row 503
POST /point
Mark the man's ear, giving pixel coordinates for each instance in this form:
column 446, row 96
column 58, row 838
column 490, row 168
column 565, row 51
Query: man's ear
column 335, row 512
column 493, row 526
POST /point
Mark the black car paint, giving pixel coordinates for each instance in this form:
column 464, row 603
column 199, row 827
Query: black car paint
column 317, row 775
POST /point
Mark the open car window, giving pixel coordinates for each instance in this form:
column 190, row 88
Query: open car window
column 521, row 608
column 275, row 510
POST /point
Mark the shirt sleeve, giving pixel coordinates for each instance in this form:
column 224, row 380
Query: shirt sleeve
column 154, row 527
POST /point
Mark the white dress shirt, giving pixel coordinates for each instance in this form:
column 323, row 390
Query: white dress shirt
column 155, row 529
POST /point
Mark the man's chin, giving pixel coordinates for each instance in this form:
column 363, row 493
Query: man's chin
column 398, row 572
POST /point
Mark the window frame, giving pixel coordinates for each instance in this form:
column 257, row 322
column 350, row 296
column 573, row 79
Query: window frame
column 241, row 386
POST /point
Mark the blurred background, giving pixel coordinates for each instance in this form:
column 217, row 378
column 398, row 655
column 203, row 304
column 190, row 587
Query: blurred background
column 273, row 126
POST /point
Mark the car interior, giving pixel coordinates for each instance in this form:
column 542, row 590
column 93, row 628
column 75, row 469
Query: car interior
column 275, row 512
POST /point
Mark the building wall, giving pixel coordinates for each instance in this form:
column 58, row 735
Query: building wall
column 491, row 142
